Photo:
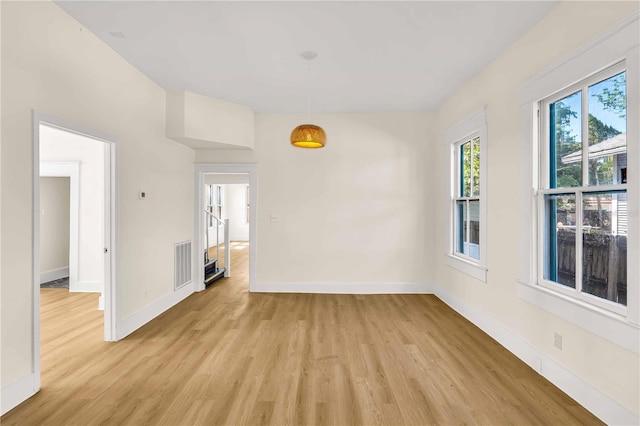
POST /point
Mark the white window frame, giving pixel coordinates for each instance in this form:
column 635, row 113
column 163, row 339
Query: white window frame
column 620, row 326
column 577, row 191
column 471, row 127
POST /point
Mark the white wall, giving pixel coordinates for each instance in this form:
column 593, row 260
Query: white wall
column 355, row 215
column 599, row 363
column 51, row 63
column 54, row 224
column 60, row 146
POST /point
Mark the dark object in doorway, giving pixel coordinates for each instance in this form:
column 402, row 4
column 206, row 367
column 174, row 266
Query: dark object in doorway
column 59, row 283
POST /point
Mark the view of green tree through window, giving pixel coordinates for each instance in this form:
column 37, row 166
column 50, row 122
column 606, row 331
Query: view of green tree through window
column 585, row 225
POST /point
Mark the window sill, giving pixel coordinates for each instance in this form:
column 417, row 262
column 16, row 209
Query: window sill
column 601, row 322
column 472, row 269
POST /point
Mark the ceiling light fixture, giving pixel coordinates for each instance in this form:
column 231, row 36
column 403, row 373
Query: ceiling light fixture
column 308, row 135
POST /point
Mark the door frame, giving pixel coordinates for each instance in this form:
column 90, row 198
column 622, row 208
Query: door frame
column 199, row 223
column 111, row 306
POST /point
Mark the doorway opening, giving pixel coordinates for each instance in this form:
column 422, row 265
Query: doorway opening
column 225, row 224
column 73, row 230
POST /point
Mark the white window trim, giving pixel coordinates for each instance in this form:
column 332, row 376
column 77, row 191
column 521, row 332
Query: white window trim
column 618, row 44
column 577, row 192
column 470, row 127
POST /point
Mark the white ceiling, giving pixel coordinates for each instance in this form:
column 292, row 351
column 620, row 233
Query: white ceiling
column 372, row 56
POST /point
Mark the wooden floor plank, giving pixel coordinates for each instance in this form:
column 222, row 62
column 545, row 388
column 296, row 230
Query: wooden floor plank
column 229, row 357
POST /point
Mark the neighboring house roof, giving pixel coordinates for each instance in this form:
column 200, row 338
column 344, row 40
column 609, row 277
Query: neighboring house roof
column 613, row 146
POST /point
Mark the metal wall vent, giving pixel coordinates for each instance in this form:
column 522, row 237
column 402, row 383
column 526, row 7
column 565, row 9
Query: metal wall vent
column 182, row 264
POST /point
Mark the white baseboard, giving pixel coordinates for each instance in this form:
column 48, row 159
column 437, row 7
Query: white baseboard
column 133, row 322
column 54, row 274
column 343, row 287
column 601, row 405
column 101, row 303
column 17, row 392
column 87, row 287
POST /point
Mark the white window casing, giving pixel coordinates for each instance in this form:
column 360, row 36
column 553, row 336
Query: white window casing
column 469, row 128
column 618, row 324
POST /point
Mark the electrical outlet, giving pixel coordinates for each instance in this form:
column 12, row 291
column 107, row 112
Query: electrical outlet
column 557, row 342
column 275, row 218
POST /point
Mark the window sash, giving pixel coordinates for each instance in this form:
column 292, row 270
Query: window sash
column 544, row 172
column 457, row 233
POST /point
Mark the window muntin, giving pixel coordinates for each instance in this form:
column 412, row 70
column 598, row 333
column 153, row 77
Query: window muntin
column 466, row 202
column 583, row 194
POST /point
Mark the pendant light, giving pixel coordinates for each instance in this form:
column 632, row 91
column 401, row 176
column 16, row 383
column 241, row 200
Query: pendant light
column 308, row 135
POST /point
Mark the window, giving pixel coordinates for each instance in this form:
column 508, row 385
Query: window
column 467, row 200
column 215, row 196
column 467, row 209
column 583, row 191
column 580, row 192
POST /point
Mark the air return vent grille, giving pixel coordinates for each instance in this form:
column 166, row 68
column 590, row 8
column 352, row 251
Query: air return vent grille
column 182, row 264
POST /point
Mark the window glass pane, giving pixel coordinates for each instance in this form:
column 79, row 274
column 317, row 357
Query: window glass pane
column 476, row 166
column 474, row 229
column 565, row 159
column 465, row 169
column 461, row 227
column 607, row 130
column 604, row 245
column 560, row 239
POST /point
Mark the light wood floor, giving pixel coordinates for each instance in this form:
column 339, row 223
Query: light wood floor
column 224, row 356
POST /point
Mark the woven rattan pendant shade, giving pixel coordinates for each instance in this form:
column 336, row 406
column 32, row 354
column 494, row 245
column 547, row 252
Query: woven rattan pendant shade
column 308, row 136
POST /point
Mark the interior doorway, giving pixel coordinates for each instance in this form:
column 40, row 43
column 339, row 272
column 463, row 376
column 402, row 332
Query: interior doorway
column 84, row 162
column 66, row 157
column 227, row 220
column 225, row 223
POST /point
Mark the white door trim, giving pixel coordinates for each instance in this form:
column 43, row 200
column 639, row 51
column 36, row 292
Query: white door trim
column 201, row 169
column 72, row 171
column 111, row 306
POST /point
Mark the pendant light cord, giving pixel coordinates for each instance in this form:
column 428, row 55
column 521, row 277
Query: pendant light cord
column 308, row 91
